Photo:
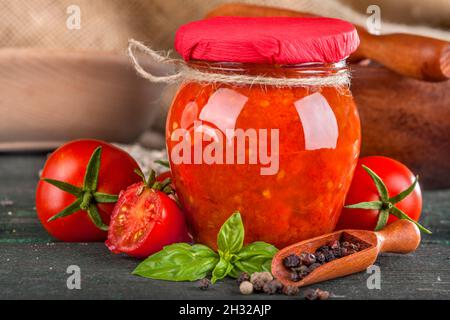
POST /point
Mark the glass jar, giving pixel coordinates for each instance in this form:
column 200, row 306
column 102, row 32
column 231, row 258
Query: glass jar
column 289, row 183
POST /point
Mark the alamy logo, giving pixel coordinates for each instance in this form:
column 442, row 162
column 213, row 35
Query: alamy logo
column 74, row 280
column 374, row 20
column 73, row 21
column 374, row 280
column 204, row 144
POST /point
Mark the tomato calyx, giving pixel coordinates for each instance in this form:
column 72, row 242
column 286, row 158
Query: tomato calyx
column 87, row 196
column 386, row 204
column 152, row 183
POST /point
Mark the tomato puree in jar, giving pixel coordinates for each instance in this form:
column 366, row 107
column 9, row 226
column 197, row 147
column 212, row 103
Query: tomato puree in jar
column 282, row 153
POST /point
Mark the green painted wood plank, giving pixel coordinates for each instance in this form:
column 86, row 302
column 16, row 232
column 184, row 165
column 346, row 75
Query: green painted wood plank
column 31, row 271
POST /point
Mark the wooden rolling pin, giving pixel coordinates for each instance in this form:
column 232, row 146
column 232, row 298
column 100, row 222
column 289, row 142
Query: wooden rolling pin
column 409, row 55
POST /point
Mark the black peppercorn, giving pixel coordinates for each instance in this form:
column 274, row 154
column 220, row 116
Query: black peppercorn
column 345, row 244
column 203, row 284
column 309, row 259
column 301, row 269
column 335, row 245
column 310, row 294
column 295, row 276
column 272, row 287
column 291, row 261
column 306, row 262
column 303, row 274
column 320, row 257
column 302, row 256
column 314, row 266
column 323, row 249
column 258, row 284
column 329, row 256
column 244, row 276
column 316, row 294
column 344, row 252
column 337, row 253
column 290, row 290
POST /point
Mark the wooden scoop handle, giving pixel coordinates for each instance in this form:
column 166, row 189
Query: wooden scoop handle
column 409, row 55
column 401, row 236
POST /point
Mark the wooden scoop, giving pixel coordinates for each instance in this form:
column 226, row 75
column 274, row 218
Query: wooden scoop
column 401, row 236
column 409, row 55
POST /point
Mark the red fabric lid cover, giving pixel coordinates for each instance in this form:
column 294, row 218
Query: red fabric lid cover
column 280, row 40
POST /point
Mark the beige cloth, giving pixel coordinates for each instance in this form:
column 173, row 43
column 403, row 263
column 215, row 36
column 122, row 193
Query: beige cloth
column 108, row 24
column 430, row 12
column 105, row 24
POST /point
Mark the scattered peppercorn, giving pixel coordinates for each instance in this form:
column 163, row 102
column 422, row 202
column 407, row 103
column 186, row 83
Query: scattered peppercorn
column 290, row 290
column 264, row 282
column 323, row 295
column 272, row 287
column 244, row 276
column 258, row 284
column 246, row 287
column 203, row 284
column 316, row 294
column 303, row 264
column 264, row 276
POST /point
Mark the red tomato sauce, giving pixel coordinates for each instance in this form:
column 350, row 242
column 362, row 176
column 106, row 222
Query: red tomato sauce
column 319, row 143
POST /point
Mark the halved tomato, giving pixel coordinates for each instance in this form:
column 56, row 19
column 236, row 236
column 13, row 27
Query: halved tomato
column 145, row 219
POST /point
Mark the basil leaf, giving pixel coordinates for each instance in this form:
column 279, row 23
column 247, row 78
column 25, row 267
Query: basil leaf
column 179, row 262
column 231, row 235
column 222, row 269
column 255, row 257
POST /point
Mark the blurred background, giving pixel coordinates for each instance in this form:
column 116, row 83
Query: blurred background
column 64, row 74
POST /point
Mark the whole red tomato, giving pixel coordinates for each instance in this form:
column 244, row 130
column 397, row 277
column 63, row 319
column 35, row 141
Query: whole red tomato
column 145, row 219
column 396, row 177
column 68, row 164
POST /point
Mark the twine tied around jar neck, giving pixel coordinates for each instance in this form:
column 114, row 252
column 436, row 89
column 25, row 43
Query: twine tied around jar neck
column 184, row 72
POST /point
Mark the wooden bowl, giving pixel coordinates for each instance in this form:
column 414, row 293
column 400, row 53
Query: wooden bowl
column 406, row 119
column 48, row 97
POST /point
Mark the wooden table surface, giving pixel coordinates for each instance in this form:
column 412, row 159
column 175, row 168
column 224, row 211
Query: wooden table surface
column 33, row 266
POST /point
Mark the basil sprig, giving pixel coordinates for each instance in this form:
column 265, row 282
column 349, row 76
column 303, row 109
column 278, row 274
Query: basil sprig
column 185, row 262
column 179, row 262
